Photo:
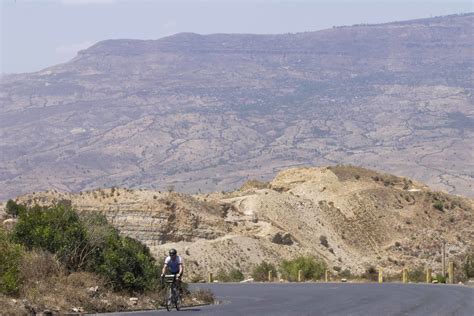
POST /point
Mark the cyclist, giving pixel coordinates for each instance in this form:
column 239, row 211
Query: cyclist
column 174, row 264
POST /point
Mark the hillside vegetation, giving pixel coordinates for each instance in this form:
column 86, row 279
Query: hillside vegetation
column 54, row 259
column 350, row 219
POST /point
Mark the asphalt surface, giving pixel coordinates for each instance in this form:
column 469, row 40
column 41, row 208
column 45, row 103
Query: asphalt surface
column 332, row 299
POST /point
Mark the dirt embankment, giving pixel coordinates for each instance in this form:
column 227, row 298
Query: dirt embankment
column 350, row 217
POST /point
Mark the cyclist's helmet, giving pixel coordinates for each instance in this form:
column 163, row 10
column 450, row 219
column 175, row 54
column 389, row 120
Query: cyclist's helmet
column 173, row 252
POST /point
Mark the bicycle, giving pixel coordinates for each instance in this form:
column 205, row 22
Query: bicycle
column 173, row 295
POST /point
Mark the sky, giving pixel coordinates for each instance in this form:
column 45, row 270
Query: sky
column 36, row 34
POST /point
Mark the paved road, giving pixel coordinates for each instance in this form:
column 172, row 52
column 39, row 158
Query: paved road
column 333, row 299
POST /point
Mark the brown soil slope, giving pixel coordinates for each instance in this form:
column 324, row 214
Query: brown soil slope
column 367, row 219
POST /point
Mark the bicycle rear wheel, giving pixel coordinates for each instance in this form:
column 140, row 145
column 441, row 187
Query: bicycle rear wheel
column 177, row 303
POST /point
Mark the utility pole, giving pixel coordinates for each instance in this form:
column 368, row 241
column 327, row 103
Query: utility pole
column 444, row 258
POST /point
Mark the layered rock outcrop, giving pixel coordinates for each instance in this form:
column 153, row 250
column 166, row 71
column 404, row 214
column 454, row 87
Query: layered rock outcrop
column 350, row 217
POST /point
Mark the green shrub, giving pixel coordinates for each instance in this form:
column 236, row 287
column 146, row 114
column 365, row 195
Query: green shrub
column 14, row 209
column 222, row 276
column 88, row 243
column 99, row 234
column 56, row 229
column 468, row 266
column 346, row 273
column 440, row 278
column 371, row 274
column 10, row 259
column 260, row 271
column 127, row 264
column 236, row 275
column 233, row 275
column 438, row 205
column 312, row 269
column 417, row 275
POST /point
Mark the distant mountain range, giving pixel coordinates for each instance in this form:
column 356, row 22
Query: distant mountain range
column 207, row 112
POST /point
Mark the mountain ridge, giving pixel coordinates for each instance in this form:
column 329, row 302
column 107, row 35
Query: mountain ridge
column 399, row 99
column 189, row 36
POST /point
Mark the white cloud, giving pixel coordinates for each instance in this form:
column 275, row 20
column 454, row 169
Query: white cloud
column 72, row 49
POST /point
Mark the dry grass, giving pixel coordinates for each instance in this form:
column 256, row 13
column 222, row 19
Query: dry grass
column 47, row 286
column 62, row 293
column 348, row 172
column 254, row 184
column 202, row 296
column 39, row 265
column 12, row 306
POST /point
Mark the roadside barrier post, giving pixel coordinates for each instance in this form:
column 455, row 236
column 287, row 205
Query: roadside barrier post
column 300, row 275
column 270, row 276
column 405, row 275
column 326, row 276
column 451, row 272
column 210, row 278
column 428, row 275
column 380, row 275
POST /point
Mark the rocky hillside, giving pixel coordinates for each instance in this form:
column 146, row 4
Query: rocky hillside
column 211, row 111
column 351, row 217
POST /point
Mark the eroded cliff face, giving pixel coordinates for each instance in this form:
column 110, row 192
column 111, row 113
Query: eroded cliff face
column 152, row 217
column 351, row 217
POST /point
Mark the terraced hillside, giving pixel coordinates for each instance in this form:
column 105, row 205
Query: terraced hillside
column 351, row 217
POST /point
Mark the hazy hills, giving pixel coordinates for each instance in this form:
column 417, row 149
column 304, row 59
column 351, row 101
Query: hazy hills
column 208, row 112
column 352, row 218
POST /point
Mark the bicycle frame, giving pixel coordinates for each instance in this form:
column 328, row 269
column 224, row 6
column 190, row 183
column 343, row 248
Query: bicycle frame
column 173, row 297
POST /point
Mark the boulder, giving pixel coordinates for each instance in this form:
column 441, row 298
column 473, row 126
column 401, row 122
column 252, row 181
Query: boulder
column 281, row 238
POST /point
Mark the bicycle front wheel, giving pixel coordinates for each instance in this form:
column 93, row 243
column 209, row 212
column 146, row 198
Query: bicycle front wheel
column 169, row 299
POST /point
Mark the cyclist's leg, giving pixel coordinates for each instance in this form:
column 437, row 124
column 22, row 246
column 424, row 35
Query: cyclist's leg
column 178, row 282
